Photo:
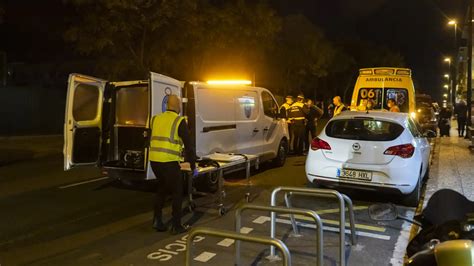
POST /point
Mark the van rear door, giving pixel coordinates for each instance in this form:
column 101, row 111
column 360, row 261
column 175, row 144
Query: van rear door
column 161, row 87
column 83, row 120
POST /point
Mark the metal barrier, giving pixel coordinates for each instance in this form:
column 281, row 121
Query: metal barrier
column 347, row 200
column 237, row 236
column 273, row 209
column 314, row 192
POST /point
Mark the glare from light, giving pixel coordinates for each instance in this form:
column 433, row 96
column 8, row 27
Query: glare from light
column 446, row 76
column 445, row 95
column 446, row 86
column 452, row 22
column 413, row 114
column 447, row 59
column 229, row 82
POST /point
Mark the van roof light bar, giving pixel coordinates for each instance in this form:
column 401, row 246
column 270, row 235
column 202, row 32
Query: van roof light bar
column 229, row 82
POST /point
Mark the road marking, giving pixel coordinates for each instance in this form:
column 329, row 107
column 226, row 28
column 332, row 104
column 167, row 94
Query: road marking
column 261, row 220
column 332, row 229
column 226, row 242
column 84, row 182
column 205, row 256
column 246, row 230
column 399, row 251
column 356, row 208
column 334, row 222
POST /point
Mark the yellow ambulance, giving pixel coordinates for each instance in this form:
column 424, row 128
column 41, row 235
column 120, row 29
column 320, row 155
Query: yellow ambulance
column 375, row 86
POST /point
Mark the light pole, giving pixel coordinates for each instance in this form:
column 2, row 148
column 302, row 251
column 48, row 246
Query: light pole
column 450, row 86
column 454, row 70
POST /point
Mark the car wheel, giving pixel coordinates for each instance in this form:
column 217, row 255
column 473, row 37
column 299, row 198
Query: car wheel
column 281, row 154
column 414, row 197
column 427, row 173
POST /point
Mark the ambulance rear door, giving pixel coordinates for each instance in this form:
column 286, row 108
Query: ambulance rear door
column 83, row 121
column 161, row 87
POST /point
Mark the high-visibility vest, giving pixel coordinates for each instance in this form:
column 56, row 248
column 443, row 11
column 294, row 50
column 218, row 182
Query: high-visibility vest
column 338, row 109
column 165, row 143
column 296, row 111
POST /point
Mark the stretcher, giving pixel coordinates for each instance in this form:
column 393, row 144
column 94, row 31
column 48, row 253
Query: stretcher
column 223, row 164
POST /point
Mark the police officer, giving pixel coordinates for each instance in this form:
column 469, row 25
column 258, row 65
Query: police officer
column 296, row 115
column 284, row 111
column 312, row 116
column 169, row 133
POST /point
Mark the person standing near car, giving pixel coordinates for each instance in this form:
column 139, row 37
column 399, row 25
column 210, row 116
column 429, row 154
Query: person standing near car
column 296, row 115
column 339, row 106
column 461, row 114
column 169, row 133
column 314, row 113
column 284, row 112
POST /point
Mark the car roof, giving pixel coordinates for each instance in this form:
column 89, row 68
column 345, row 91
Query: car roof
column 400, row 118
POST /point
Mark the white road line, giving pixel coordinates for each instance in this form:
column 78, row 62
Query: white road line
column 261, row 220
column 205, row 256
column 226, row 242
column 84, row 182
column 402, row 242
column 246, row 230
column 333, row 229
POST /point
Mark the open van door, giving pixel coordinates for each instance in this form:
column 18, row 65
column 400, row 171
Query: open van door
column 161, row 87
column 83, row 120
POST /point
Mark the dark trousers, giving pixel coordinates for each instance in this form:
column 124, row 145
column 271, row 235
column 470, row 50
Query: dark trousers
column 310, row 133
column 290, row 135
column 170, row 182
column 298, row 135
column 461, row 125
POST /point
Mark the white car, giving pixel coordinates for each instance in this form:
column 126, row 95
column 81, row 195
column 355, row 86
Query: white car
column 377, row 151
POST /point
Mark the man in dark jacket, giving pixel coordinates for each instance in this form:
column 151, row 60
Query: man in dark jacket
column 461, row 114
column 314, row 113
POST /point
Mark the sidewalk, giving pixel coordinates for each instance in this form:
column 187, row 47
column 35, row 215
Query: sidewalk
column 452, row 167
column 17, row 149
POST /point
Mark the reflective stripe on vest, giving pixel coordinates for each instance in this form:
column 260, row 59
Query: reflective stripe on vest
column 165, row 143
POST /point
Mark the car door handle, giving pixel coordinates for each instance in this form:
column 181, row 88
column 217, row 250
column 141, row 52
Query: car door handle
column 255, row 130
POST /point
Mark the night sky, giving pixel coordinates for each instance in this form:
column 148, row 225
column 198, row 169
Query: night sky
column 32, row 30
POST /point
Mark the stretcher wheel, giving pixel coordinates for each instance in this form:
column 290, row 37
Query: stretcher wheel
column 222, row 211
column 192, row 206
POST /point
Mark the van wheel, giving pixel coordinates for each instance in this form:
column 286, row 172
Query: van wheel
column 281, row 155
column 212, row 181
column 427, row 174
column 414, row 197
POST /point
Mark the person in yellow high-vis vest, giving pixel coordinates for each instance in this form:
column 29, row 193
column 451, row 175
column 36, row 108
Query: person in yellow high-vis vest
column 169, row 133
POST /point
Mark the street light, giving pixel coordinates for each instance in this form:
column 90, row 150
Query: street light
column 446, row 76
column 447, row 59
column 446, row 86
column 445, row 95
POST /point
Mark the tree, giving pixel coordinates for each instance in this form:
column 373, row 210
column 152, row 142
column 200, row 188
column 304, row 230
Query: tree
column 125, row 33
column 302, row 54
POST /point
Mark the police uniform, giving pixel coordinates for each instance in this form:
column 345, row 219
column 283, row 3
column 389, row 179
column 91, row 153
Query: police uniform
column 169, row 133
column 296, row 114
column 284, row 111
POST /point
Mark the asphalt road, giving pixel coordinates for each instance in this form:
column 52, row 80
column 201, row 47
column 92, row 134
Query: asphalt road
column 51, row 217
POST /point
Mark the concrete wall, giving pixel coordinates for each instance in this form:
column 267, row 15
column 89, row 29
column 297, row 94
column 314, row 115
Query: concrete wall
column 30, row 110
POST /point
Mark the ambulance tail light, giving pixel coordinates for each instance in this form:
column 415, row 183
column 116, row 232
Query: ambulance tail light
column 404, row 151
column 319, row 144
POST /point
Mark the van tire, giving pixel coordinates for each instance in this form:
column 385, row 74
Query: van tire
column 413, row 198
column 282, row 153
column 427, row 173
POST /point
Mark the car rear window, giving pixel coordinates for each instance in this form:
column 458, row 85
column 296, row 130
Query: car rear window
column 363, row 129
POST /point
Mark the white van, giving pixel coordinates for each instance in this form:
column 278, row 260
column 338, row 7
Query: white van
column 107, row 123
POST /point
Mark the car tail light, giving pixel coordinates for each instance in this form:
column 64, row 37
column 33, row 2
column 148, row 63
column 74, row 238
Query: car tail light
column 319, row 144
column 404, row 151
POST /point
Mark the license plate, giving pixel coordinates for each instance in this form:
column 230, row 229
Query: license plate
column 354, row 174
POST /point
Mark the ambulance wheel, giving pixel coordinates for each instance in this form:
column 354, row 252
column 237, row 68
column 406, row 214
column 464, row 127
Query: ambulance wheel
column 212, row 181
column 281, row 154
column 222, row 211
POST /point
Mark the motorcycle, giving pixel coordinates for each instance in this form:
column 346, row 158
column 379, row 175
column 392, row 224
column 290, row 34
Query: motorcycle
column 447, row 230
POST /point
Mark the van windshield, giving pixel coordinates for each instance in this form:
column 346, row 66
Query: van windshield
column 376, row 98
column 363, row 129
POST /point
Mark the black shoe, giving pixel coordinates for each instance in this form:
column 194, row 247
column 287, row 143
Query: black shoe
column 176, row 230
column 159, row 226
